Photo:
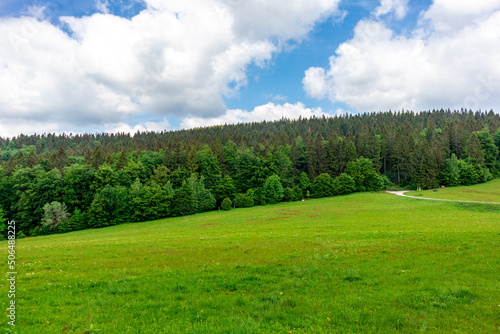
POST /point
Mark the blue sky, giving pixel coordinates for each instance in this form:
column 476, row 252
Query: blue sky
column 128, row 65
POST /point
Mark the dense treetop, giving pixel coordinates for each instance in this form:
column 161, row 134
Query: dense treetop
column 64, row 182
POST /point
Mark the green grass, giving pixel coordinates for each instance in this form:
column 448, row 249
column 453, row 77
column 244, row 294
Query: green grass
column 484, row 192
column 363, row 263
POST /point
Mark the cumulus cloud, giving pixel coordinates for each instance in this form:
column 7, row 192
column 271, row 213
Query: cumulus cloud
column 173, row 58
column 314, row 82
column 12, row 128
column 398, row 7
column 430, row 68
column 449, row 15
column 267, row 112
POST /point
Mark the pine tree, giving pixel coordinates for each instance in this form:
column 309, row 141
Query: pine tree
column 424, row 167
column 31, row 160
column 311, row 161
column 490, row 150
column 496, row 140
column 96, row 157
column 336, row 155
column 319, row 155
column 389, row 149
column 351, row 152
column 208, row 166
column 473, row 149
column 122, row 160
column 299, row 156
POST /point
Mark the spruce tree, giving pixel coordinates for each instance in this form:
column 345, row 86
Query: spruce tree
column 473, row 149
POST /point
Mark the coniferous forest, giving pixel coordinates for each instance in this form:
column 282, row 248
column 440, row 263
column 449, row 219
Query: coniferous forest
column 57, row 183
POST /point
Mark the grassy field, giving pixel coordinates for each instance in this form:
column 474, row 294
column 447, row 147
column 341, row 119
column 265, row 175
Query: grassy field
column 363, row 263
column 485, row 192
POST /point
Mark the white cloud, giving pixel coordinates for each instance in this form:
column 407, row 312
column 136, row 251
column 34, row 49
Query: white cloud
column 340, row 16
column 177, row 57
column 449, row 15
column 398, row 7
column 432, row 68
column 141, row 127
column 12, row 128
column 314, row 82
column 280, row 97
column 276, row 98
column 267, row 112
column 281, row 18
column 102, row 6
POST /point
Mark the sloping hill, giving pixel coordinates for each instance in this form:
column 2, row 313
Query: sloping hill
column 484, row 192
column 369, row 262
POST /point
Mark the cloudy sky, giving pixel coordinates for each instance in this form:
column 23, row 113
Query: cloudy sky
column 151, row 65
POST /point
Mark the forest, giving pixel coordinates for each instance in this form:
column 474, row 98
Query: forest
column 54, row 183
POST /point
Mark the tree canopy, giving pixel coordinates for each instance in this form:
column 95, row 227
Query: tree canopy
column 106, row 179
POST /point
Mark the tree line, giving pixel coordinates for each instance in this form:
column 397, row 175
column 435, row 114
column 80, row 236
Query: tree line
column 55, row 183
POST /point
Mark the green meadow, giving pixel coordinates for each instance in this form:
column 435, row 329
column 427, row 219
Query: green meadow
column 362, row 263
column 484, row 192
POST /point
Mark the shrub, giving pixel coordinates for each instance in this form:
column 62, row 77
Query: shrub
column 322, row 186
column 289, row 195
column 226, row 204
column 76, row 222
column 388, row 184
column 472, row 173
column 243, row 200
column 273, row 190
column 343, row 185
column 298, row 193
column 364, row 174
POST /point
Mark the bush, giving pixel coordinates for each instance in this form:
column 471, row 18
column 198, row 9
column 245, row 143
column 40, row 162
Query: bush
column 343, row 185
column 226, row 204
column 388, row 184
column 289, row 195
column 322, row 186
column 41, row 230
column 364, row 174
column 257, row 195
column 298, row 193
column 487, row 175
column 273, row 190
column 243, row 201
column 472, row 173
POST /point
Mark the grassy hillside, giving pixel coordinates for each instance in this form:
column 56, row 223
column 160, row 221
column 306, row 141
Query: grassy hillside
column 371, row 263
column 484, row 192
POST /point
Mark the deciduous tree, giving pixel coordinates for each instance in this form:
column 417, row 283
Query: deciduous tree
column 54, row 214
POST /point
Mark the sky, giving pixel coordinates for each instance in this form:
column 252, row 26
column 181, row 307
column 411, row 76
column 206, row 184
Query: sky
column 153, row 65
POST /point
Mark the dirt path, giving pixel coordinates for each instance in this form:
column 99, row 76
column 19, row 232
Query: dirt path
column 402, row 193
